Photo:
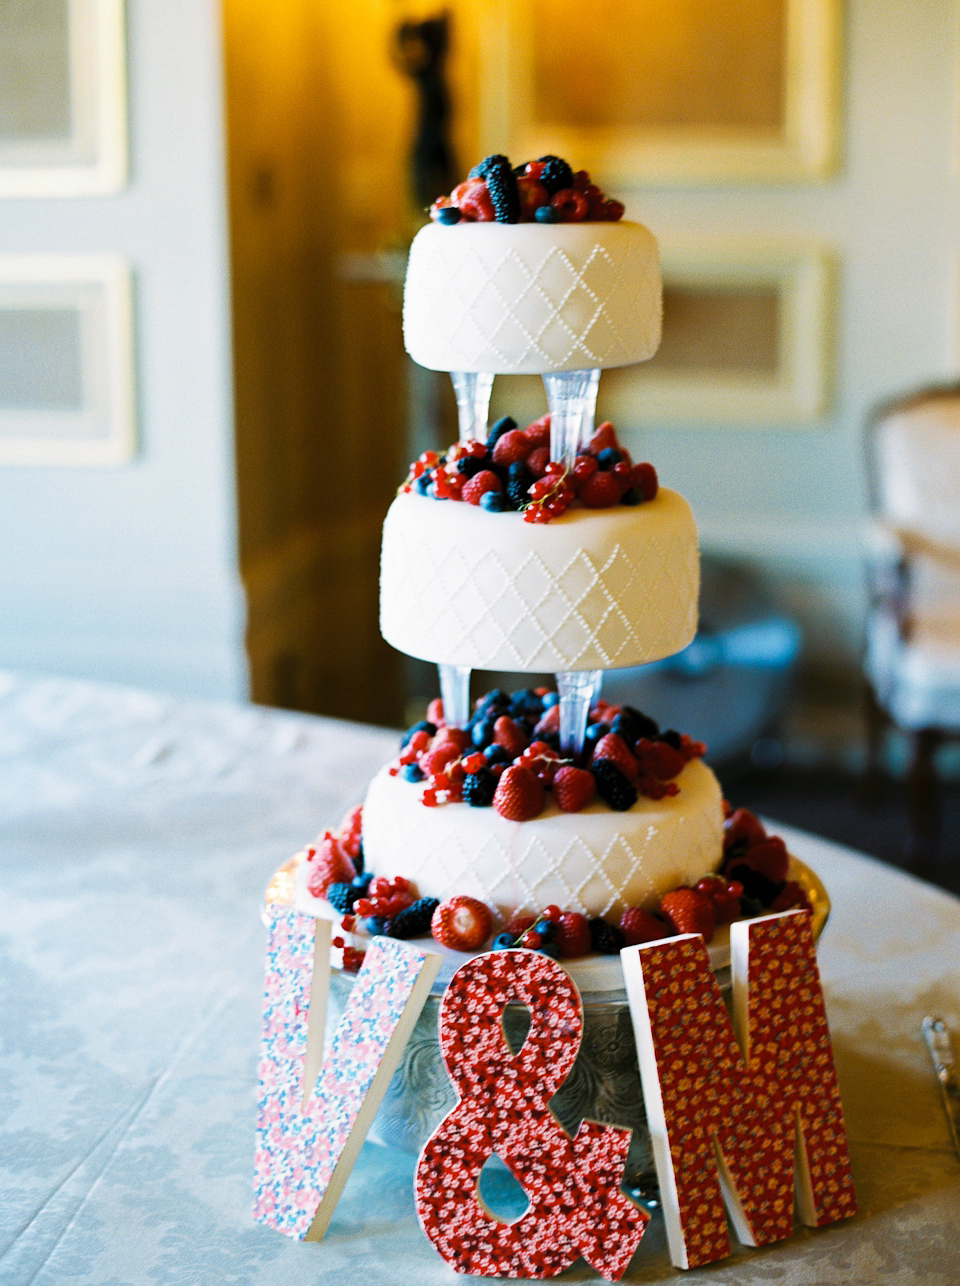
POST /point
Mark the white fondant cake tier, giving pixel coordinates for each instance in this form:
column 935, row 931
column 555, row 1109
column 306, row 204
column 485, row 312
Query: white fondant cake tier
column 591, row 590
column 597, row 861
column 528, row 298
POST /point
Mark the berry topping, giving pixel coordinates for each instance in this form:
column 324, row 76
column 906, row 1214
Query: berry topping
column 524, row 193
column 638, row 925
column 555, row 174
column 519, row 795
column 329, row 865
column 413, row 921
column 690, row 912
column 462, row 923
column 502, row 186
column 613, row 786
column 573, row 788
column 573, row 935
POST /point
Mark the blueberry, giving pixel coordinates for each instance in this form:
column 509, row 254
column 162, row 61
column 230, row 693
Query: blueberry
column 362, row 882
column 497, row 755
column 503, row 941
column 495, row 501
column 494, row 699
column 422, row 484
column 412, row 772
column 547, row 214
column 550, row 700
column 608, row 457
column 547, row 930
column 375, row 924
column 632, row 497
column 471, row 464
column 551, row 949
column 594, row 733
column 502, row 426
column 482, row 733
column 423, row 726
column 448, row 214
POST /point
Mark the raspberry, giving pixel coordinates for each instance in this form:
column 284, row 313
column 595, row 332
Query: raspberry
column 571, row 205
column 462, row 923
column 434, row 761
column 414, row 920
column 343, row 896
column 449, row 735
column 329, row 865
column 613, row 786
column 644, row 477
column 659, row 758
column 573, row 788
column 478, row 486
column 573, row 935
column 610, row 211
column 538, row 460
column 555, row 174
column 601, row 491
column 613, row 748
column 690, row 912
column 509, row 734
column 519, row 795
column 538, row 433
column 511, row 448
column 479, row 788
column 638, row 925
column 605, row 938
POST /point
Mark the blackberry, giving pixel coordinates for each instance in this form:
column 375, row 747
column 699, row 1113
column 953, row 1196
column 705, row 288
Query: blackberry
column 501, row 426
column 646, row 727
column 495, row 700
column 755, row 885
column 612, row 786
column 521, row 169
column 343, row 896
column 552, row 739
column 606, row 938
column 556, row 174
column 413, row 922
column 423, row 726
column 412, row 772
column 479, row 788
column 519, row 480
column 471, row 464
column 671, row 738
column 502, row 186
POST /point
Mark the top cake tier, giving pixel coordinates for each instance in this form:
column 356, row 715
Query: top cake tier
column 530, row 298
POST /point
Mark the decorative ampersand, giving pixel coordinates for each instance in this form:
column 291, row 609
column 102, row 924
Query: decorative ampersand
column 573, row 1185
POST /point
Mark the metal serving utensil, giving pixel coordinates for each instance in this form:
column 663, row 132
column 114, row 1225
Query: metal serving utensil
column 942, row 1055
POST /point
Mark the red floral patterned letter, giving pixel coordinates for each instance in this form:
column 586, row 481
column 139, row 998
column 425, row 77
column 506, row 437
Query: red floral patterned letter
column 726, row 1124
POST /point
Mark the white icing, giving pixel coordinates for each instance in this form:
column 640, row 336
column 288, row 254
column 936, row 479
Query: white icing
column 528, row 298
column 591, row 590
column 597, row 861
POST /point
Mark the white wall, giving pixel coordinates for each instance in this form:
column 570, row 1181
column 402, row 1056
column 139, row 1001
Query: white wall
column 130, row 573
column 792, row 499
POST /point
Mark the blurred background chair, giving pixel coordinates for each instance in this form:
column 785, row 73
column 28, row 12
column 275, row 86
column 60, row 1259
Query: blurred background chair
column 913, row 561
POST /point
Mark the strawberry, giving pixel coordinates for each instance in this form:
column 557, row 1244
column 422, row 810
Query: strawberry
column 509, row 734
column 538, row 460
column 549, row 723
column 538, row 433
column 514, row 445
column 659, row 758
column 572, row 935
column 519, row 795
column 435, row 712
column 519, row 924
column 790, row 896
column 462, row 923
column 601, row 491
column 532, row 195
column 605, row 436
column 329, row 865
column 638, row 925
column 689, row 912
column 573, row 788
column 474, row 202
column 434, row 761
column 613, row 747
column 458, row 737
column 770, row 858
column 478, row 486
column 742, row 825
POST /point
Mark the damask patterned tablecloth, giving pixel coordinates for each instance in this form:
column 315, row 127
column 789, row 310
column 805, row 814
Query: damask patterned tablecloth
column 137, row 833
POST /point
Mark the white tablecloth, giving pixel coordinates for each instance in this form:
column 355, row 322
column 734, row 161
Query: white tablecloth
column 136, row 836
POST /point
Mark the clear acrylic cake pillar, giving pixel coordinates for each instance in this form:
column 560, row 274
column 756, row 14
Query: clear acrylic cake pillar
column 577, row 689
column 572, row 399
column 455, row 691
column 473, row 389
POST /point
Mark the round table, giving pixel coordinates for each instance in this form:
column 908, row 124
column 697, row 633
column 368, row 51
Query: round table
column 137, row 833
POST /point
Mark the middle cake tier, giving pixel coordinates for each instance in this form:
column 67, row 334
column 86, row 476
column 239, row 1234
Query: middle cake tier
column 592, row 590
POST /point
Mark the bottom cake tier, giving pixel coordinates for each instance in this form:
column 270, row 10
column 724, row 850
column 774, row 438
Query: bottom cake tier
column 597, row 861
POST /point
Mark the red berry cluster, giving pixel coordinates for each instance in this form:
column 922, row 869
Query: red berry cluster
column 576, row 203
column 386, row 898
column 603, row 474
